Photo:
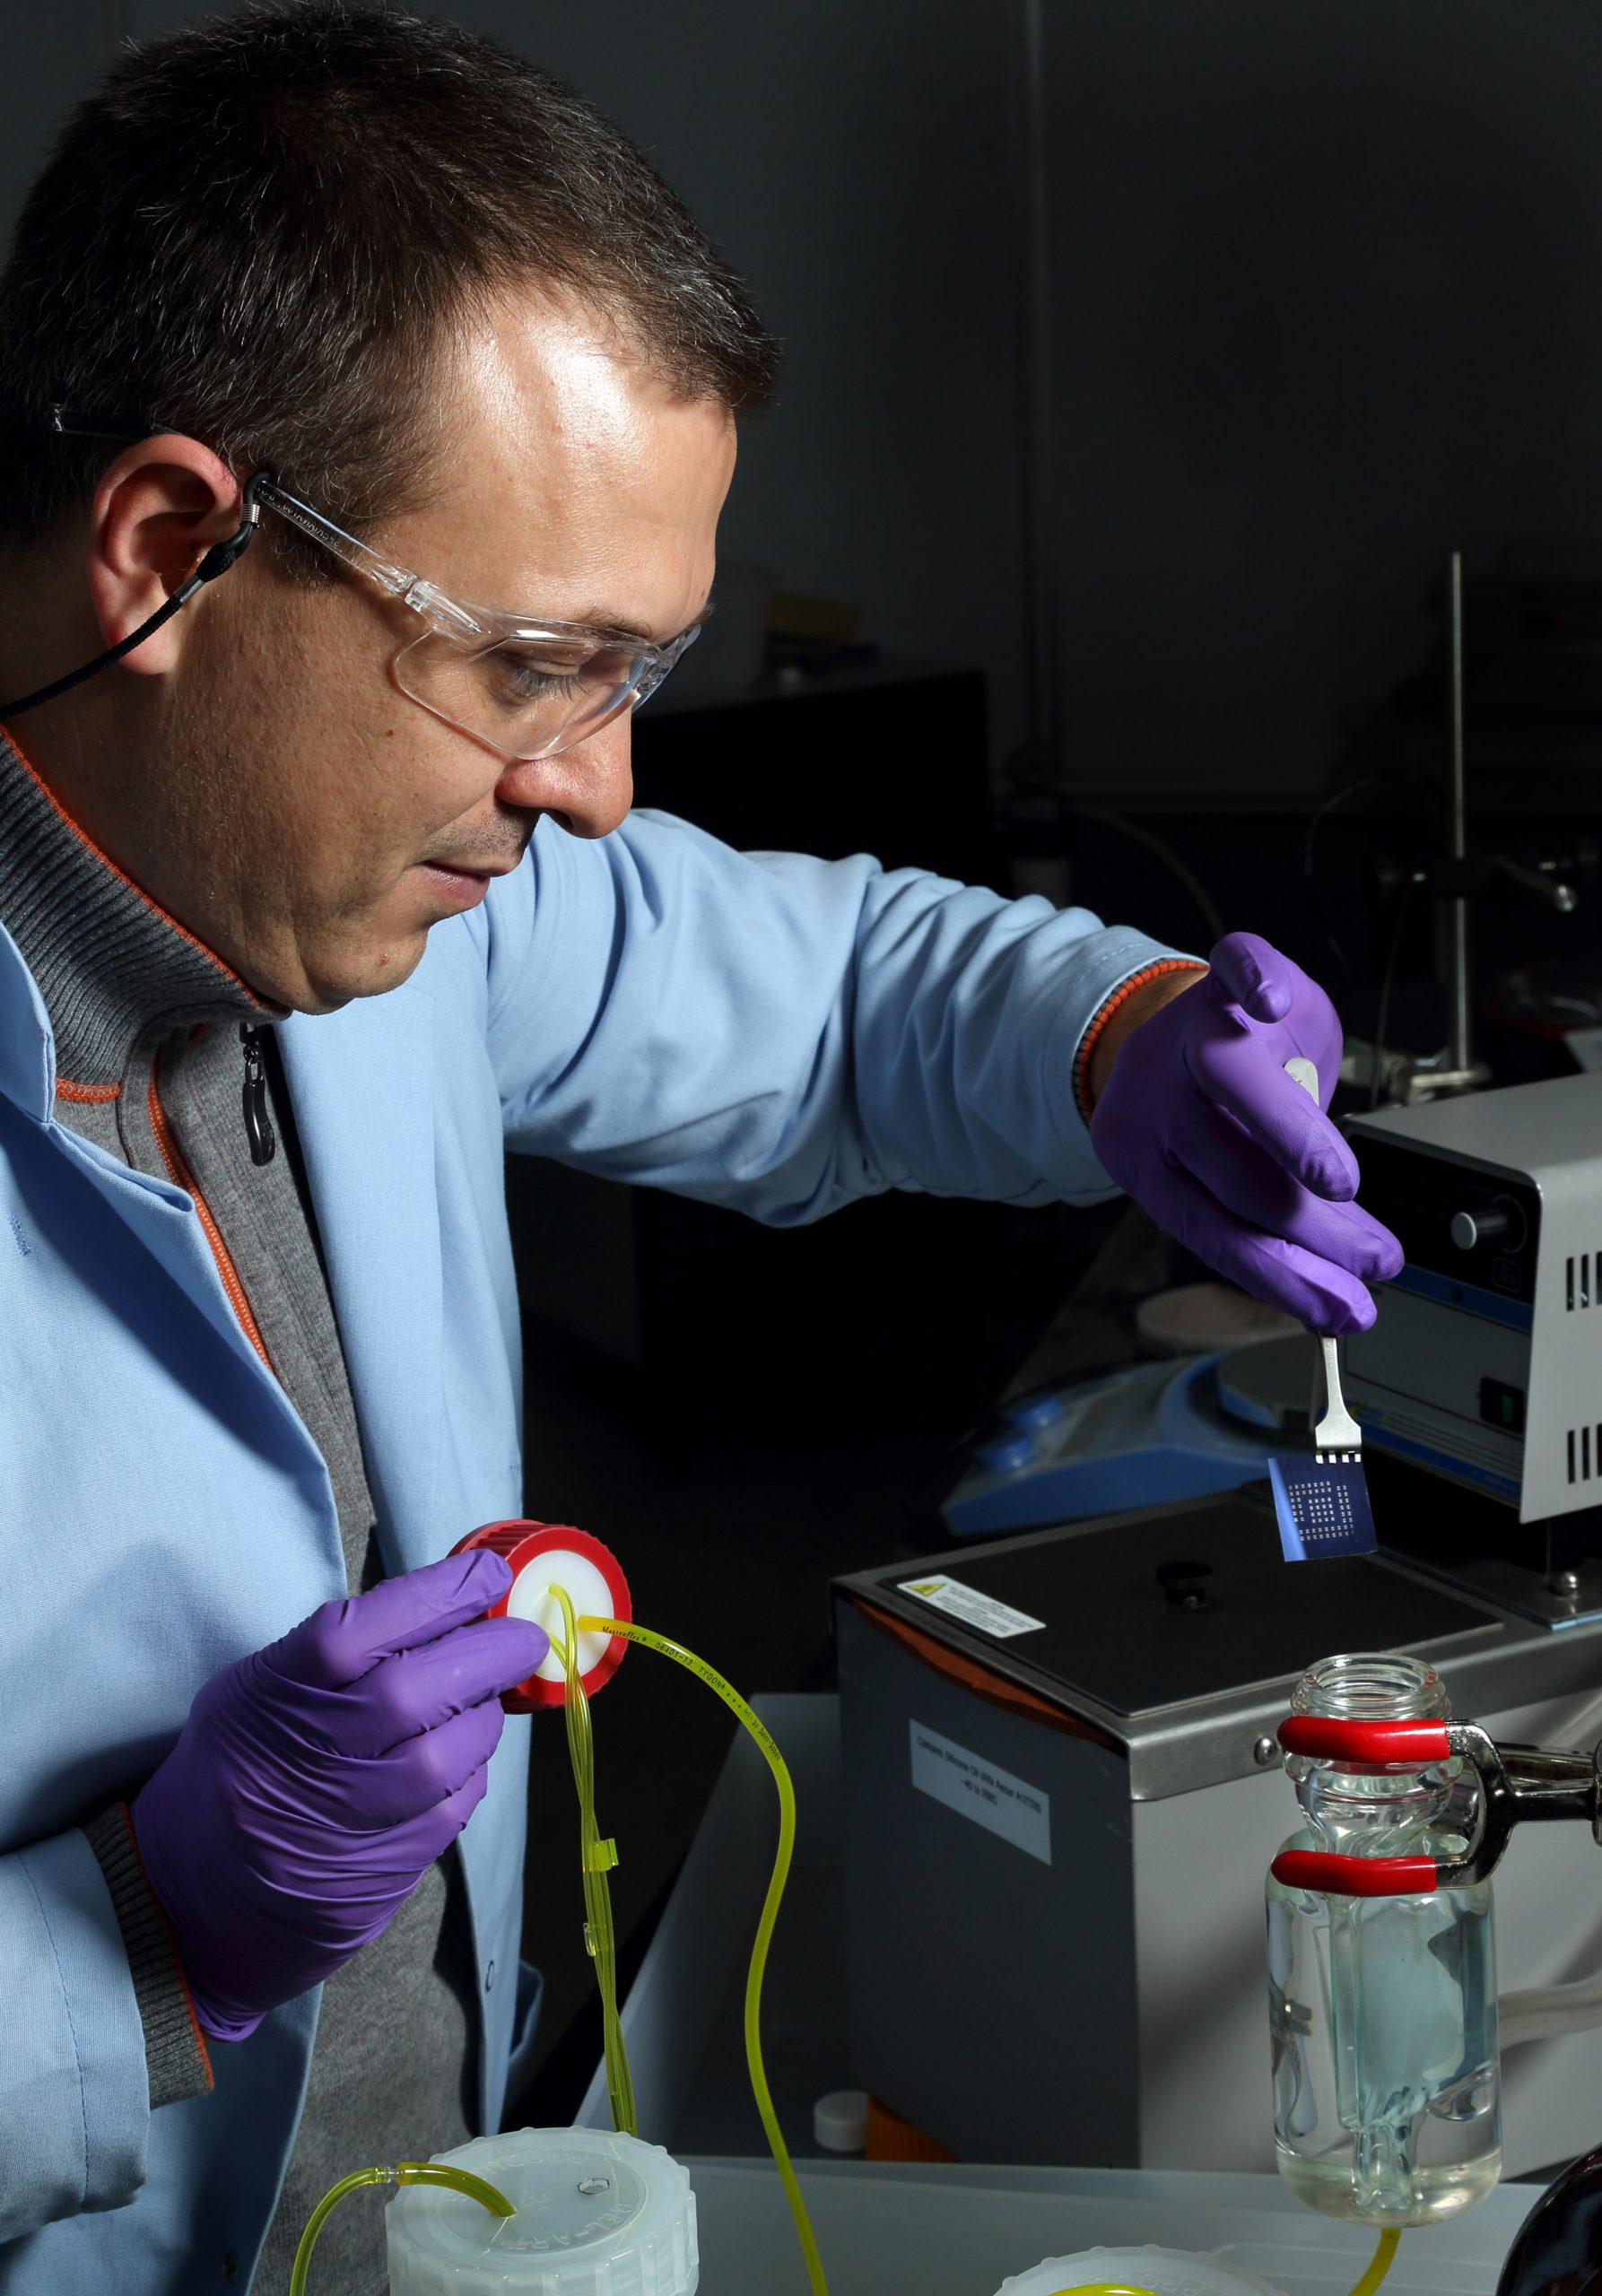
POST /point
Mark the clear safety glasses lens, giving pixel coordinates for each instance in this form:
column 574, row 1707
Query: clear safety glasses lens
column 531, row 698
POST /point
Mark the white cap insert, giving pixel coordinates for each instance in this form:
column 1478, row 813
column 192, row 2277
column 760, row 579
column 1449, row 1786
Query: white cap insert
column 587, row 1589
column 597, row 2215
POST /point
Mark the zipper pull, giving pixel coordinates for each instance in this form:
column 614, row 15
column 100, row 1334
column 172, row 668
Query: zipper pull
column 259, row 1123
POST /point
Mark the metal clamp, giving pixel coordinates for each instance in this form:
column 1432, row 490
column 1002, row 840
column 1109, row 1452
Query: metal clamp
column 1516, row 1784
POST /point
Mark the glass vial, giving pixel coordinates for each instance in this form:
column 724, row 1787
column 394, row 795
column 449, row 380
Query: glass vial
column 1383, row 2011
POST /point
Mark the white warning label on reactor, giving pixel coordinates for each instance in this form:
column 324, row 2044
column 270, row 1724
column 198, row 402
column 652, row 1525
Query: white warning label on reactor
column 992, row 1797
column 967, row 1604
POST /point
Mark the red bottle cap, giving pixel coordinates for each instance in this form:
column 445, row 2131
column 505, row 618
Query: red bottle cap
column 562, row 1555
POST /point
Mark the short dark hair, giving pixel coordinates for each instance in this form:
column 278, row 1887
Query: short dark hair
column 261, row 230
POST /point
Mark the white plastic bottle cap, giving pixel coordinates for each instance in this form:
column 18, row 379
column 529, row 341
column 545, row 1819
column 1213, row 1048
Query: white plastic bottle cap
column 840, row 2121
column 1164, row 2272
column 597, row 2215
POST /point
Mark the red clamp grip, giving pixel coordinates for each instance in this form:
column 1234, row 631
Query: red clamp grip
column 1364, row 1744
column 1356, row 1877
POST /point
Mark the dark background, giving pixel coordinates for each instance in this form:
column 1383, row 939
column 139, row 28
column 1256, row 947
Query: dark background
column 1324, row 302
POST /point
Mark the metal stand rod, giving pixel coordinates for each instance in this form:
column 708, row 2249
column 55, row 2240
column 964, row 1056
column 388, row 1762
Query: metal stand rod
column 1040, row 521
column 1458, row 1054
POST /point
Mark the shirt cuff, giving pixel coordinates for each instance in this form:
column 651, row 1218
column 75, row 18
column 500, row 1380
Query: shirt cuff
column 175, row 2052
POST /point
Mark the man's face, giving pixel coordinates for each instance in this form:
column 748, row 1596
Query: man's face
column 308, row 820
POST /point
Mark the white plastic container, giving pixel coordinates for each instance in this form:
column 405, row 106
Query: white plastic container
column 1156, row 2272
column 596, row 2215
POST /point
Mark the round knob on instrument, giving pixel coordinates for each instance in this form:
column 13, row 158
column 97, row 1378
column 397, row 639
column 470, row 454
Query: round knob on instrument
column 1472, row 1231
column 1185, row 1584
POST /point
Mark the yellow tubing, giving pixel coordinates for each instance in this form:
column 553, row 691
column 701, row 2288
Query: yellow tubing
column 597, row 1858
column 764, row 1935
column 1385, row 2256
column 404, row 2172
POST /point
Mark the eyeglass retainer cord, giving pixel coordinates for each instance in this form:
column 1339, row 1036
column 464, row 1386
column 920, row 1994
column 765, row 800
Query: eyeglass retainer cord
column 68, row 424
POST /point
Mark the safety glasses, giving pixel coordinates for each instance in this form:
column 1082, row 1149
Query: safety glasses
column 525, row 687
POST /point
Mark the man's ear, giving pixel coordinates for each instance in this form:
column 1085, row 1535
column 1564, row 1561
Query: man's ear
column 157, row 511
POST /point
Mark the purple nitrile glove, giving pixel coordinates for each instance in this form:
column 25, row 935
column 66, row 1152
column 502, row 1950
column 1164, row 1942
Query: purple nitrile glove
column 1200, row 1123
column 316, row 1781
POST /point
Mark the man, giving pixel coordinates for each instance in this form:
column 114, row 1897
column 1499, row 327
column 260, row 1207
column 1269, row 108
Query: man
column 316, row 897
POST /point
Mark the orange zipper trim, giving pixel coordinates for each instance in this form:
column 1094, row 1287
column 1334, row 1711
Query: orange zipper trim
column 183, row 1177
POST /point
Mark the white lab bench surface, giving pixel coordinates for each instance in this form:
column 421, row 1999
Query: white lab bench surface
column 896, row 2229
column 904, row 2230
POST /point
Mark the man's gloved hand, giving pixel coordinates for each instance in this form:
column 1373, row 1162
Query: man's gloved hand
column 1199, row 1122
column 315, row 1781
